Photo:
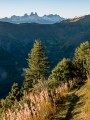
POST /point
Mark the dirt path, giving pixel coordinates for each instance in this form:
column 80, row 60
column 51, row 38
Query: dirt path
column 72, row 100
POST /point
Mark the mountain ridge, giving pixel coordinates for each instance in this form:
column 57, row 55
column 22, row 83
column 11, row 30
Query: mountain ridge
column 33, row 18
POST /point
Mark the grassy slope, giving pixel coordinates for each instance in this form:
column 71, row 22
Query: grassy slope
column 76, row 106
column 82, row 108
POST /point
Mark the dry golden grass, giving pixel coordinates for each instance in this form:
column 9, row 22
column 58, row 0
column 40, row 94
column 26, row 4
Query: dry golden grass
column 42, row 106
column 76, row 19
column 82, row 108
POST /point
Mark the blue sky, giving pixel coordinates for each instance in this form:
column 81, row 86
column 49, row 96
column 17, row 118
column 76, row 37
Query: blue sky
column 64, row 8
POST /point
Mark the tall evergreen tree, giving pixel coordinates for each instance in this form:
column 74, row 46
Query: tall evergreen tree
column 37, row 65
column 82, row 60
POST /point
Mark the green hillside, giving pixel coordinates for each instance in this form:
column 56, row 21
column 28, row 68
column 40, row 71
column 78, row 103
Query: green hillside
column 16, row 41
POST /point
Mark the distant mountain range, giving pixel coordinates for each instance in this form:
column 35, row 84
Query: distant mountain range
column 33, row 18
column 16, row 41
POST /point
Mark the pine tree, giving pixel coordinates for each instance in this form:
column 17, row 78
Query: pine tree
column 82, row 60
column 63, row 71
column 37, row 65
column 15, row 93
column 13, row 96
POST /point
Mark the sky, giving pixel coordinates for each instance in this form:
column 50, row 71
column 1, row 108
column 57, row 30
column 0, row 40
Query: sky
column 64, row 8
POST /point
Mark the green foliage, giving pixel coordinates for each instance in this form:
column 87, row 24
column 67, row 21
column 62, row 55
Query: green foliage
column 37, row 65
column 52, row 84
column 11, row 100
column 63, row 71
column 82, row 60
column 41, row 85
column 14, row 95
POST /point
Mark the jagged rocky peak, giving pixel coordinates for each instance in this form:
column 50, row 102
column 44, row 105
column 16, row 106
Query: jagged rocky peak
column 25, row 15
column 33, row 17
column 33, row 14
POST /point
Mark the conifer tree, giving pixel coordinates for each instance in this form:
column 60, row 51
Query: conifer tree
column 82, row 60
column 15, row 92
column 37, row 65
column 13, row 96
column 63, row 71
